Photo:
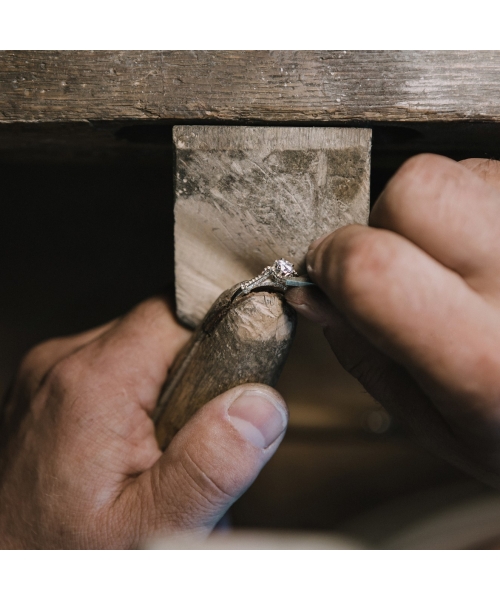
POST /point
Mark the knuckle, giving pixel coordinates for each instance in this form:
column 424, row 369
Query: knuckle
column 419, row 179
column 204, row 481
column 363, row 262
column 150, row 311
column 483, row 167
column 420, row 168
column 36, row 357
column 186, row 496
column 66, row 373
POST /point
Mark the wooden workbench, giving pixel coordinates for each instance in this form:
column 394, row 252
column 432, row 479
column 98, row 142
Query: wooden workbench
column 333, row 86
column 95, row 122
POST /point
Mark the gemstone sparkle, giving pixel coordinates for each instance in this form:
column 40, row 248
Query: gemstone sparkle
column 284, row 268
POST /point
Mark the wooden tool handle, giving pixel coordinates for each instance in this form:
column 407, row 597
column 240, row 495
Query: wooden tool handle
column 242, row 340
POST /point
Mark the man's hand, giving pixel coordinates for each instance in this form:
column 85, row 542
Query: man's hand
column 80, row 464
column 411, row 305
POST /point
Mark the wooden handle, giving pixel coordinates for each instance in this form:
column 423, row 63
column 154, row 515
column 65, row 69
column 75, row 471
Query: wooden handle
column 245, row 340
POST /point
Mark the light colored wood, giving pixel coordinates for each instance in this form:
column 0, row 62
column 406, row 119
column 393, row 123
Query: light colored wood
column 261, row 86
column 246, row 196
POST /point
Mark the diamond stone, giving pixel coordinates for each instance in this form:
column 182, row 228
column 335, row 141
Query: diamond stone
column 284, row 268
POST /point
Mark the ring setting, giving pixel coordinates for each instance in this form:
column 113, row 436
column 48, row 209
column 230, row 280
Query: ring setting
column 279, row 276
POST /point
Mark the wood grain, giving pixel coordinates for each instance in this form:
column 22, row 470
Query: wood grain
column 246, row 196
column 256, row 86
column 242, row 341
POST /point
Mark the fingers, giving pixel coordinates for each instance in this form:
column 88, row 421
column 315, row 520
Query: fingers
column 211, row 461
column 420, row 314
column 137, row 348
column 487, row 169
column 312, row 303
column 106, row 389
column 422, row 292
column 34, row 368
column 449, row 212
column 387, row 382
column 42, row 357
column 133, row 355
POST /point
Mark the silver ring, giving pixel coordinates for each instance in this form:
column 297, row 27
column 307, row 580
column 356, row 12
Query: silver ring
column 279, row 276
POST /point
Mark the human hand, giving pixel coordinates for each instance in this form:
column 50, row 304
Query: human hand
column 411, row 305
column 80, row 464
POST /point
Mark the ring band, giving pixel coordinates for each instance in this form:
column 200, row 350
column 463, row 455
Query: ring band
column 279, row 276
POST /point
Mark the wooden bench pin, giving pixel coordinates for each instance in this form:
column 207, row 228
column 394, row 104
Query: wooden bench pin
column 243, row 197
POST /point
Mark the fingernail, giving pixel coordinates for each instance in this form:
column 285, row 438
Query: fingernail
column 258, row 418
column 310, row 268
column 311, row 303
column 301, row 302
column 306, row 311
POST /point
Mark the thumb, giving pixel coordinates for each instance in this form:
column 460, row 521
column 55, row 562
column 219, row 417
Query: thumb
column 214, row 459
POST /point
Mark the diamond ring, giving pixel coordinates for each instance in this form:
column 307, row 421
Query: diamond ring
column 279, row 277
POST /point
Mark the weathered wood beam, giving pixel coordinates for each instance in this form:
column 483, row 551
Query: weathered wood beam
column 253, row 86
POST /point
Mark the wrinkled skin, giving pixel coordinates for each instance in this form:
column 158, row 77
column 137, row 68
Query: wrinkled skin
column 81, row 467
column 411, row 305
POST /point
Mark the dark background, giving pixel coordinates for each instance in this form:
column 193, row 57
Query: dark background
column 86, row 232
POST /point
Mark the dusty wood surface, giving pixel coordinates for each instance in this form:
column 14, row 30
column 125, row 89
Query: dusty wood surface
column 246, row 196
column 242, row 341
column 282, row 86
